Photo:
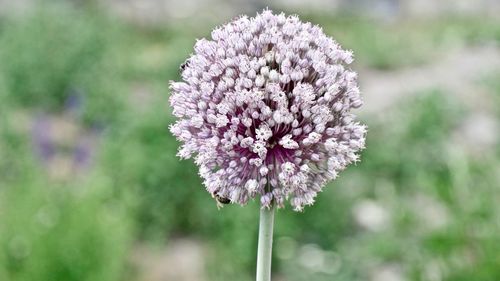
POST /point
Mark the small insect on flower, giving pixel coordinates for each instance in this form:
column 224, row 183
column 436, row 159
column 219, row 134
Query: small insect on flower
column 222, row 200
column 264, row 106
column 183, row 65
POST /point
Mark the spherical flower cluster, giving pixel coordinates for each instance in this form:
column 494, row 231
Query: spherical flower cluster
column 265, row 108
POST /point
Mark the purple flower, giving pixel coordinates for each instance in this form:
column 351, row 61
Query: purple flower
column 42, row 140
column 264, row 107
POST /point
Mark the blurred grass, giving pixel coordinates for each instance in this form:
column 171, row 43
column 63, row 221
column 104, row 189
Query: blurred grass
column 57, row 233
column 137, row 191
column 60, row 51
column 389, row 45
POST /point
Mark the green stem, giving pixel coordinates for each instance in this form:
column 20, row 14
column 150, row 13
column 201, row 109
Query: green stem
column 265, row 247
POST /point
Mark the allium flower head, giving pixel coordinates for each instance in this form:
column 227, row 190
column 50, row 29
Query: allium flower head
column 265, row 108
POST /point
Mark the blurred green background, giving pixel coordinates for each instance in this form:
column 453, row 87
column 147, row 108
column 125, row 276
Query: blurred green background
column 91, row 189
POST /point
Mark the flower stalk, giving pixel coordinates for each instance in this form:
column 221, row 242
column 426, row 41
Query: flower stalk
column 265, row 246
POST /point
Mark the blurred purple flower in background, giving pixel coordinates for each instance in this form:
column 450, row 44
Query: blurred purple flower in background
column 63, row 145
column 41, row 138
column 265, row 107
column 75, row 102
column 82, row 154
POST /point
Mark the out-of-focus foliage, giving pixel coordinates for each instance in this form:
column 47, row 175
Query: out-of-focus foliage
column 57, row 51
column 388, row 46
column 56, row 231
column 61, row 233
column 435, row 205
